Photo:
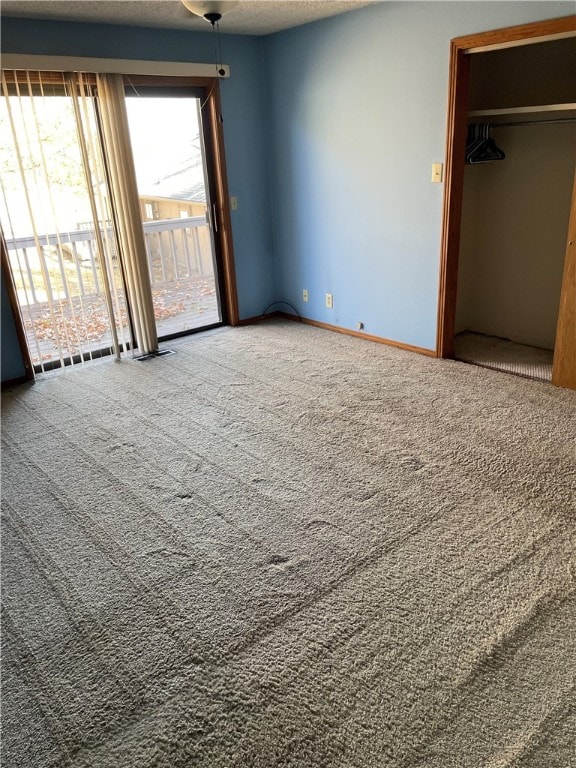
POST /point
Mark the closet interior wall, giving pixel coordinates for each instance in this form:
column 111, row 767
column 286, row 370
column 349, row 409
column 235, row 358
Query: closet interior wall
column 516, row 211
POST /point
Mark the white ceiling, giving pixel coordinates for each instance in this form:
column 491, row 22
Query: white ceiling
column 250, row 17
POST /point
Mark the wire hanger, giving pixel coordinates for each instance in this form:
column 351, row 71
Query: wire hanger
column 480, row 146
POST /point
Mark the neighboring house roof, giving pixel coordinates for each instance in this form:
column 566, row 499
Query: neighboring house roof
column 187, row 183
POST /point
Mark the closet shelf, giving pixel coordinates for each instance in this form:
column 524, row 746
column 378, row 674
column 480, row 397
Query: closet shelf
column 539, row 112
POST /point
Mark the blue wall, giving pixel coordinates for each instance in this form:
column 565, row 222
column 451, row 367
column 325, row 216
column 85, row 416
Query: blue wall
column 243, row 110
column 357, row 110
column 12, row 365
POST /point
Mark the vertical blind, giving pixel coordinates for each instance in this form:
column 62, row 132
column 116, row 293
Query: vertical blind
column 66, row 158
column 124, row 192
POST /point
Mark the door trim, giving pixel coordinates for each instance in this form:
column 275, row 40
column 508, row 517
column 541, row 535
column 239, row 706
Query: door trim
column 230, row 298
column 564, row 368
column 460, row 50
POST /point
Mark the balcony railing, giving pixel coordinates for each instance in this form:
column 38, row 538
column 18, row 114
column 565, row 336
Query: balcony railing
column 60, row 289
column 176, row 248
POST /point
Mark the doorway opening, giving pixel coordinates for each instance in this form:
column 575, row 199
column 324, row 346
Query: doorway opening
column 506, row 273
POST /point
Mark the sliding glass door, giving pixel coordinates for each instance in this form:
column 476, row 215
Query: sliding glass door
column 82, row 274
column 174, row 191
column 64, row 267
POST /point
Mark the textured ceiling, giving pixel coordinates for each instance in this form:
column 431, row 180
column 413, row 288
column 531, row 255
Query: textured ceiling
column 250, row 17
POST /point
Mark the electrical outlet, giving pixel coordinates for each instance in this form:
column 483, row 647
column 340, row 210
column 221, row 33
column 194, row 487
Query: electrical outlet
column 359, row 325
column 305, row 296
column 234, row 203
column 329, row 300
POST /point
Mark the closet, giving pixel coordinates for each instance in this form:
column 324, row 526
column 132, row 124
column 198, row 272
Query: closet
column 516, row 208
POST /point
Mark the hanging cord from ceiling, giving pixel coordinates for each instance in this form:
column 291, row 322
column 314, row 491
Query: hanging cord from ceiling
column 212, row 11
column 220, row 71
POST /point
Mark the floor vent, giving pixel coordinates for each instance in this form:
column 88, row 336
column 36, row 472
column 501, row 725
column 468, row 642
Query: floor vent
column 156, row 353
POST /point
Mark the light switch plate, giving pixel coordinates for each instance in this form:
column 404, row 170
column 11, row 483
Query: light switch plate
column 437, row 172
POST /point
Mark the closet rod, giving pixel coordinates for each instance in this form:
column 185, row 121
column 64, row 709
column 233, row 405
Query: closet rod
column 533, row 122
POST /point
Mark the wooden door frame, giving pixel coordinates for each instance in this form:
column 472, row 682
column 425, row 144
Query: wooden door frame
column 564, row 367
column 459, row 78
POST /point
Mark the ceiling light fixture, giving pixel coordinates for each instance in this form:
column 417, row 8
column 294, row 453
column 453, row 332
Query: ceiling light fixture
column 211, row 10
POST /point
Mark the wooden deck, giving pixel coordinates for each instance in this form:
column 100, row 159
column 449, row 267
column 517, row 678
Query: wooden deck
column 83, row 326
column 76, row 321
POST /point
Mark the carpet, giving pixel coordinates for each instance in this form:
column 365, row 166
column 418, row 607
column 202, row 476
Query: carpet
column 283, row 546
column 504, row 355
